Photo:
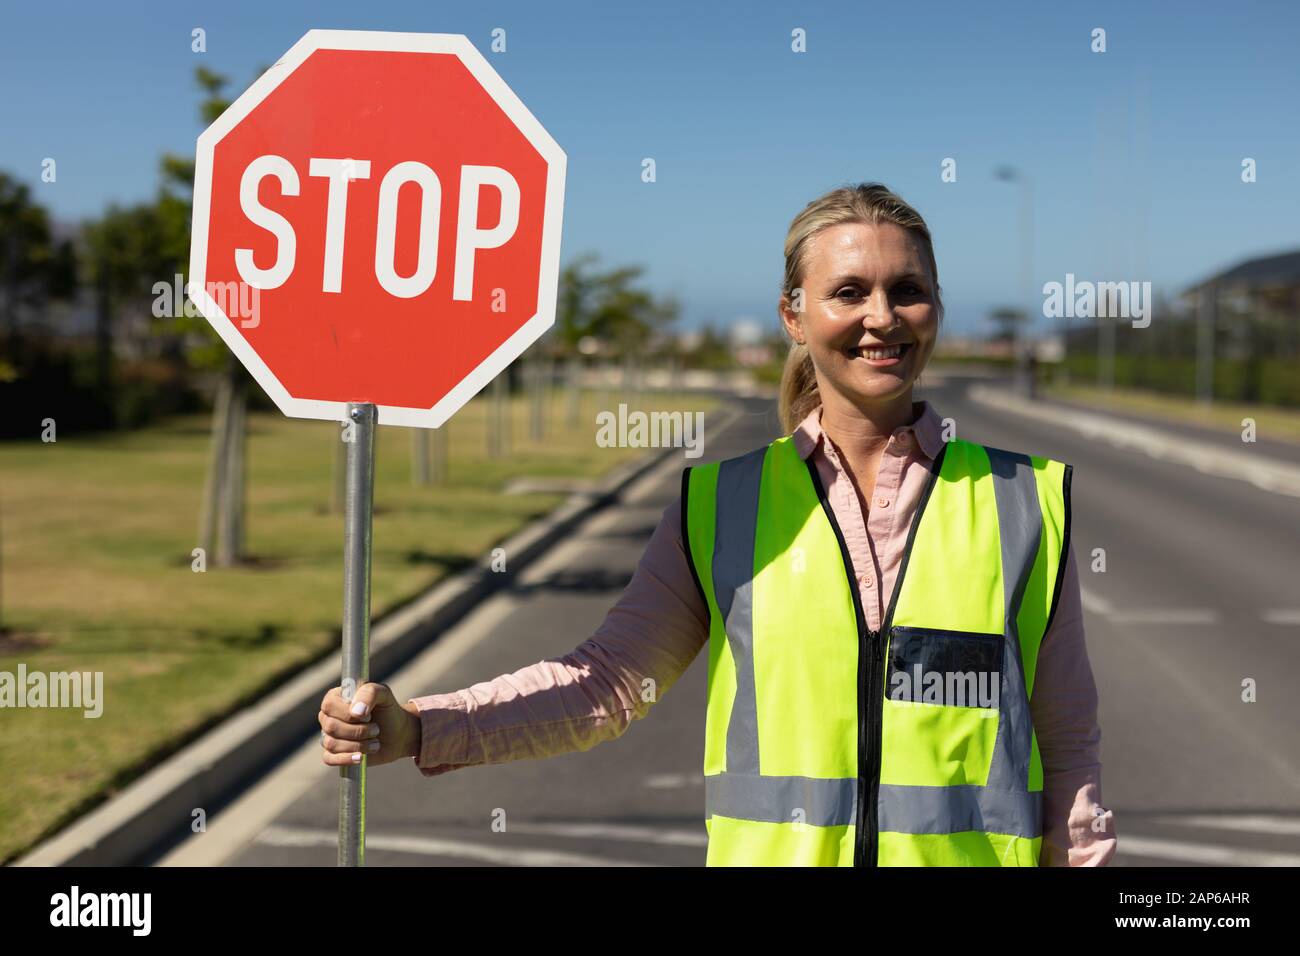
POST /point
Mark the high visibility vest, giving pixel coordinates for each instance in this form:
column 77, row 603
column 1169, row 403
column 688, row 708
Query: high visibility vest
column 828, row 744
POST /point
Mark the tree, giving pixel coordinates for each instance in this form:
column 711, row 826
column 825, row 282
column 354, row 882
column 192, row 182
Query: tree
column 225, row 491
column 713, row 350
column 1007, row 323
column 124, row 258
column 33, row 267
column 608, row 307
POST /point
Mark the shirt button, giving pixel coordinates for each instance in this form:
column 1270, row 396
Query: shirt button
column 867, row 580
column 883, row 502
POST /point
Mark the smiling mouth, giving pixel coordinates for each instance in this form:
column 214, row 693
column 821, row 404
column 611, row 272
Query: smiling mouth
column 877, row 353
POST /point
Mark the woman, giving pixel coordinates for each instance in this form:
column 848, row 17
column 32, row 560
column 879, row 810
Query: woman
column 897, row 668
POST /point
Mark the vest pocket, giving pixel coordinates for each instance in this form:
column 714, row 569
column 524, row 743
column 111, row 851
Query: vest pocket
column 941, row 706
column 949, row 668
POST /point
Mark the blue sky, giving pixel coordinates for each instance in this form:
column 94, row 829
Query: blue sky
column 1135, row 154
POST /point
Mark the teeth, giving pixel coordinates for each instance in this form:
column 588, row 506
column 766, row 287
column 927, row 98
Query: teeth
column 891, row 352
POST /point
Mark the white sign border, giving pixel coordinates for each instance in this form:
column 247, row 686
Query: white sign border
column 492, row 366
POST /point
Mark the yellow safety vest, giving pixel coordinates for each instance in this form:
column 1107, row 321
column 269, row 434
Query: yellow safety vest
column 827, row 744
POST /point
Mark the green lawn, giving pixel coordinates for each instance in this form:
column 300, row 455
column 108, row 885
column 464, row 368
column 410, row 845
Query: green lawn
column 97, row 535
column 1272, row 422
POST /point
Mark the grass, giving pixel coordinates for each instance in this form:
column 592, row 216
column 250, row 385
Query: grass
column 96, row 576
column 1278, row 424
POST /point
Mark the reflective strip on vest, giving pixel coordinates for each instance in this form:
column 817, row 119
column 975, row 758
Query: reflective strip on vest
column 733, row 574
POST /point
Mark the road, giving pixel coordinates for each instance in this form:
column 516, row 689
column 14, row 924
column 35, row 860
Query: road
column 1199, row 594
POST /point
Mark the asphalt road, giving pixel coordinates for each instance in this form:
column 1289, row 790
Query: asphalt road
column 1199, row 593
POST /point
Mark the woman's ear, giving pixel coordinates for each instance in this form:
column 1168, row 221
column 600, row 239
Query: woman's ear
column 790, row 319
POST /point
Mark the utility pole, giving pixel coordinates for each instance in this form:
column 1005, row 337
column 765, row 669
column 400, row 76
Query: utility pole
column 1207, row 315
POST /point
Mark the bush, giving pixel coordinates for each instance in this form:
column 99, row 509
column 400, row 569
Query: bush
column 1267, row 381
column 44, row 381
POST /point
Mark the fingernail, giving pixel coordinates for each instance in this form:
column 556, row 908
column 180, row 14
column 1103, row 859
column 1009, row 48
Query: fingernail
column 372, row 746
column 372, row 730
column 359, row 709
column 356, row 758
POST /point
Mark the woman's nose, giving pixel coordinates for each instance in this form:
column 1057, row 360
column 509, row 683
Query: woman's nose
column 879, row 313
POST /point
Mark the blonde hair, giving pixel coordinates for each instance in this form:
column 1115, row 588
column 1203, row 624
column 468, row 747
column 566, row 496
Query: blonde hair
column 867, row 203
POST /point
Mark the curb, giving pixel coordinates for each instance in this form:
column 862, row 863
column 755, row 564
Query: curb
column 153, row 810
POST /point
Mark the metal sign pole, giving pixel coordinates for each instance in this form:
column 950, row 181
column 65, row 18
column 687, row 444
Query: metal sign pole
column 356, row 617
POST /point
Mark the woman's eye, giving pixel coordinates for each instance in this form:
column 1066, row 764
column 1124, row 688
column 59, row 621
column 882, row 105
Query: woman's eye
column 910, row 288
column 852, row 293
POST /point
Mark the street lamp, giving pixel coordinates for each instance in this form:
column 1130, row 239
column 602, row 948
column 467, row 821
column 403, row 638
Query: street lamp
column 1010, row 174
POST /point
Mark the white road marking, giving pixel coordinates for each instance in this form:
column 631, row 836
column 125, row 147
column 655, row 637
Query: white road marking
column 1189, row 615
column 1203, row 853
column 1249, row 823
column 1281, row 615
column 618, row 831
column 674, row 781
column 430, row 846
column 1096, row 604
column 1258, row 469
column 1155, row 848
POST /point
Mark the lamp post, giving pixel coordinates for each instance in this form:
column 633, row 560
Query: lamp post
column 1011, row 174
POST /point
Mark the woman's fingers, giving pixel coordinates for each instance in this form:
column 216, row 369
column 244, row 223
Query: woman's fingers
column 335, row 706
column 343, row 743
column 347, row 734
column 341, row 760
column 360, row 707
column 343, row 731
column 336, row 745
column 340, row 753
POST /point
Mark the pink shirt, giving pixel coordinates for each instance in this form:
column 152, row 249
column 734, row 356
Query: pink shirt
column 661, row 622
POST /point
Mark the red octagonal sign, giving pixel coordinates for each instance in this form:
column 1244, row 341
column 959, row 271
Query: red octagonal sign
column 377, row 219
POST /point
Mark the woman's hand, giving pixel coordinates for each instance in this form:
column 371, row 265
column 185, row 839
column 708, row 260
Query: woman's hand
column 373, row 723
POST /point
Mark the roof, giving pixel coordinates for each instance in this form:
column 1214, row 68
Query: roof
column 1263, row 272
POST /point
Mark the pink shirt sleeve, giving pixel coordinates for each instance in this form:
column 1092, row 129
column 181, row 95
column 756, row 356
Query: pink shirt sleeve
column 1077, row 829
column 589, row 695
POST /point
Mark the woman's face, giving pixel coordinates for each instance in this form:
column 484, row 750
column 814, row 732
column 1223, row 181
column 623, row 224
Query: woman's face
column 869, row 315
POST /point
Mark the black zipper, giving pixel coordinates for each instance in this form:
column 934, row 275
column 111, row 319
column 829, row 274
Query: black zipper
column 868, row 837
column 871, row 654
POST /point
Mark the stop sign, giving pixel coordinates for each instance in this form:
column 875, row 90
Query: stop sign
column 377, row 219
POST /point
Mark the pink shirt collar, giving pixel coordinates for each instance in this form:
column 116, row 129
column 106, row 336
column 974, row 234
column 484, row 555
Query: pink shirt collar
column 926, row 431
